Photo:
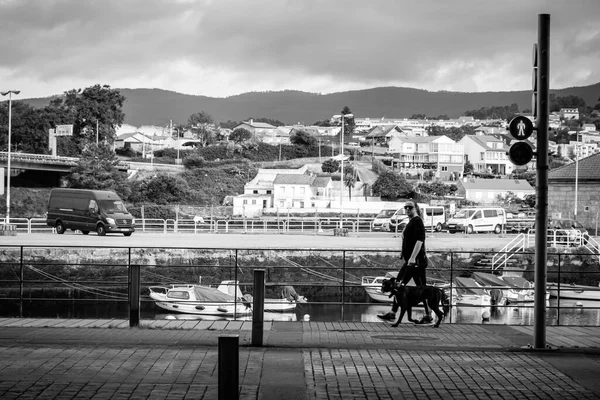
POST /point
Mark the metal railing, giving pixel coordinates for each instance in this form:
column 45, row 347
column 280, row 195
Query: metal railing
column 115, row 281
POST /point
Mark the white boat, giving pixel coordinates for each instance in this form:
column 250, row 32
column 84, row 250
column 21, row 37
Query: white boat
column 471, row 293
column 515, row 289
column 224, row 300
column 576, row 292
column 372, row 286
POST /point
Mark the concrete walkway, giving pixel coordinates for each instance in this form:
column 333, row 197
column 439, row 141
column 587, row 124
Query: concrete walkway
column 177, row 359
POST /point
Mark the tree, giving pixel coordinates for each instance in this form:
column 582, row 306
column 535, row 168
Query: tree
column 436, row 189
column 570, row 101
column 302, row 138
column 95, row 106
column 392, row 186
column 349, row 179
column 97, row 169
column 240, row 135
column 468, row 168
column 29, row 131
column 199, row 118
column 330, row 166
column 160, row 189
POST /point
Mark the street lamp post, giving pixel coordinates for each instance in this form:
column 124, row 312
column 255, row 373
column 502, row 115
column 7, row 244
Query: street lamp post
column 343, row 119
column 576, row 174
column 9, row 93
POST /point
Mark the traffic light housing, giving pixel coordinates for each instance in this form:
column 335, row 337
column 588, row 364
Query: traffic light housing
column 520, row 152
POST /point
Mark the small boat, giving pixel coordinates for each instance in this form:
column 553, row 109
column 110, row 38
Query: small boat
column 515, row 289
column 471, row 293
column 372, row 286
column 224, row 300
column 572, row 291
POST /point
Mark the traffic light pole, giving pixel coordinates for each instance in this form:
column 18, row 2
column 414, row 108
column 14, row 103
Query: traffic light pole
column 541, row 225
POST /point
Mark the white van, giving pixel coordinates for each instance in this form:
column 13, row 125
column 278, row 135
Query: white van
column 434, row 218
column 478, row 219
column 382, row 220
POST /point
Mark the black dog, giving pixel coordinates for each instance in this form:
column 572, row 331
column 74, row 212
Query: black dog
column 409, row 296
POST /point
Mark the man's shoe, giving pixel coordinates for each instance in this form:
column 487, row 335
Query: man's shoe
column 390, row 316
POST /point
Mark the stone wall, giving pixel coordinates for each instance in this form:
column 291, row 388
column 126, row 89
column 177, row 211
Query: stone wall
column 561, row 202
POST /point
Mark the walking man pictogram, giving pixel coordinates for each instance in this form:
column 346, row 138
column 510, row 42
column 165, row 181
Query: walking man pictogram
column 521, row 128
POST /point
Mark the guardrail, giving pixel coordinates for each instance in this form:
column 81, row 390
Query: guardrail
column 281, row 225
column 54, row 275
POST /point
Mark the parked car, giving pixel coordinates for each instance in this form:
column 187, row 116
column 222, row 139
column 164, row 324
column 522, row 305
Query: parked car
column 567, row 230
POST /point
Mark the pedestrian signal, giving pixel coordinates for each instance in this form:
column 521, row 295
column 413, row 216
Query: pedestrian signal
column 520, row 153
column 520, row 127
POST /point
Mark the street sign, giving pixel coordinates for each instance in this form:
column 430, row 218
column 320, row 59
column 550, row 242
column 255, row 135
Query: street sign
column 520, row 127
column 64, row 130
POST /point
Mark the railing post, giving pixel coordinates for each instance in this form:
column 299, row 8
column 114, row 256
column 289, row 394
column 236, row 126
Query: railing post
column 229, row 366
column 21, row 277
column 258, row 307
column 134, row 293
column 343, row 282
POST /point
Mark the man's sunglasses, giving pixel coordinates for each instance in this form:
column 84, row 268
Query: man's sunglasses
column 408, row 207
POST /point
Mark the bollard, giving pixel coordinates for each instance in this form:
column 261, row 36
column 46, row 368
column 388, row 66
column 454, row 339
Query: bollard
column 134, row 295
column 258, row 307
column 229, row 360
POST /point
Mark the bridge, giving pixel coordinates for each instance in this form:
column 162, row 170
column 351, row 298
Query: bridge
column 43, row 162
column 40, row 162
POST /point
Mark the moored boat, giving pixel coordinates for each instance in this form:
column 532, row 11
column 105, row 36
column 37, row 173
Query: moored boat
column 515, row 289
column 224, row 300
column 469, row 292
column 372, row 286
column 572, row 291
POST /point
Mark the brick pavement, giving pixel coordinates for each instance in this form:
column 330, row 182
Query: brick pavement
column 104, row 359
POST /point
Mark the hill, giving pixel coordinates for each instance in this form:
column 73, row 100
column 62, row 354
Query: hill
column 157, row 106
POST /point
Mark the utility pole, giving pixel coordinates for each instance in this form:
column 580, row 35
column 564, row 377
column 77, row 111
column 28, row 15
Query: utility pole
column 541, row 224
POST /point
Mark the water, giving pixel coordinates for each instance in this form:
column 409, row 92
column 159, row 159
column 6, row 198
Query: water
column 588, row 314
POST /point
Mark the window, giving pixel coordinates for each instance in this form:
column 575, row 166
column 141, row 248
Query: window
column 255, row 191
column 444, row 168
column 490, row 213
column 93, row 206
column 179, row 294
column 245, row 201
column 269, row 191
column 302, row 191
column 253, row 201
column 490, row 195
column 301, row 204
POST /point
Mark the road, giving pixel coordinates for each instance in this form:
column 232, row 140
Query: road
column 367, row 241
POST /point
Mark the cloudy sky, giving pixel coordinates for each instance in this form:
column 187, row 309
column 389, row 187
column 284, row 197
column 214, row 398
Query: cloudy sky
column 220, row 48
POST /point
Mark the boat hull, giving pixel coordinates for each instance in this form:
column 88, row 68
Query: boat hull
column 575, row 292
column 226, row 300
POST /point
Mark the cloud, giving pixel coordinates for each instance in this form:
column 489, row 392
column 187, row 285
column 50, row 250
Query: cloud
column 226, row 47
